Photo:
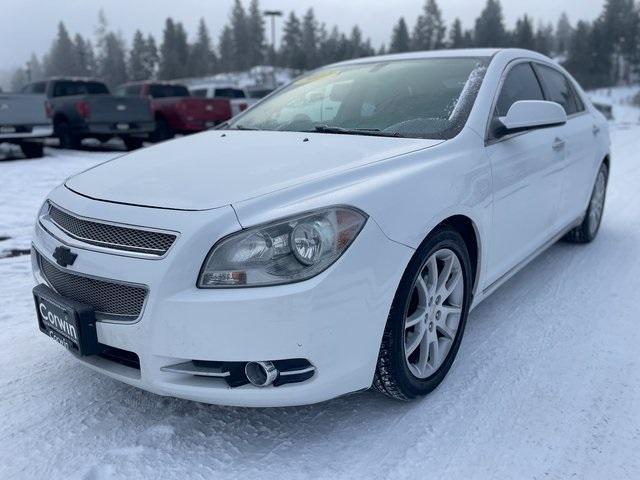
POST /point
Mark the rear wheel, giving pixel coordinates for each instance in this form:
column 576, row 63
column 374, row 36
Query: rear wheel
column 588, row 229
column 132, row 143
column 32, row 149
column 65, row 136
column 427, row 318
column 162, row 132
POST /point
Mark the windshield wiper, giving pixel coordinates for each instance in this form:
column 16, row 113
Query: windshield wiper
column 354, row 131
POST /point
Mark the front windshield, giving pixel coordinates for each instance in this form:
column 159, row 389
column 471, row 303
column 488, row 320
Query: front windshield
column 424, row 98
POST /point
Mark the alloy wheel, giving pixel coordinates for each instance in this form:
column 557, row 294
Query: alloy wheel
column 597, row 202
column 433, row 313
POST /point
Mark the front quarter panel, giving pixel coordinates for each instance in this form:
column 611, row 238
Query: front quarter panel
column 407, row 196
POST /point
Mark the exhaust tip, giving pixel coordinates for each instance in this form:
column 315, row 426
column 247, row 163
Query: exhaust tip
column 261, row 374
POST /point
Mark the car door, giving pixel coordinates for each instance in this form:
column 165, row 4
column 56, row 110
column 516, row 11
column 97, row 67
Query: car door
column 580, row 134
column 527, row 177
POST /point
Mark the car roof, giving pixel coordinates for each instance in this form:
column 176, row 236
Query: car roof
column 451, row 53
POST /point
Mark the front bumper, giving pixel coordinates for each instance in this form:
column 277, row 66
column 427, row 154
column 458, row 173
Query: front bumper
column 334, row 320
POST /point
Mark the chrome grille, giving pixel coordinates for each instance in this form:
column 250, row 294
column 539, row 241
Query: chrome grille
column 111, row 236
column 115, row 300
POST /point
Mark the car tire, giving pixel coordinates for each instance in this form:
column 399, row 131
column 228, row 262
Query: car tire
column 32, row 149
column 588, row 229
column 132, row 143
column 401, row 376
column 162, row 132
column 66, row 138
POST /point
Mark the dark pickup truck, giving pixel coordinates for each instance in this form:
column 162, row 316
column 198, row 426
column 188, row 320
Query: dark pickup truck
column 84, row 108
column 175, row 110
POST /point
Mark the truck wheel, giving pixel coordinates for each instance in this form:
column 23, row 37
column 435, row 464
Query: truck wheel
column 427, row 318
column 162, row 132
column 66, row 138
column 132, row 143
column 32, row 149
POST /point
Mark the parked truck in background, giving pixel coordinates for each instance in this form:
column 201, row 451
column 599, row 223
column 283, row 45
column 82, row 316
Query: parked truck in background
column 240, row 98
column 24, row 122
column 175, row 110
column 84, row 108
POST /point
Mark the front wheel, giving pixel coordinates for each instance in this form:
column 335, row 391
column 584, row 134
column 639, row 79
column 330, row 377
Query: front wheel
column 132, row 143
column 32, row 149
column 588, row 229
column 427, row 318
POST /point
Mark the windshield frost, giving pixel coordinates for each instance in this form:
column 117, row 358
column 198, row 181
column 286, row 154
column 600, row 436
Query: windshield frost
column 425, row 98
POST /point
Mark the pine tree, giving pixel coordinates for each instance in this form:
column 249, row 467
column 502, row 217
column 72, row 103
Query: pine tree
column 174, row 51
column 61, row 58
column 84, row 58
column 579, row 60
column 400, row 40
column 239, row 30
column 309, row 39
column 19, row 79
column 112, row 61
column 545, row 39
column 523, row 36
column 456, row 37
column 33, row 69
column 139, row 67
column 490, row 30
column 226, row 50
column 291, row 53
column 429, row 31
column 201, row 59
column 256, row 35
column 564, row 31
column 619, row 26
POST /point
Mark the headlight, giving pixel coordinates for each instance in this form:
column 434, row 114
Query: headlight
column 285, row 251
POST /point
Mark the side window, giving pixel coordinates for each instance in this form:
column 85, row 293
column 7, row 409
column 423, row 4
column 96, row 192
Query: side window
column 133, row 90
column 557, row 88
column 521, row 84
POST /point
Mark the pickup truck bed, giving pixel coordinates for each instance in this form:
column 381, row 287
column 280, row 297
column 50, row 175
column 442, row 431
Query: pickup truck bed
column 24, row 121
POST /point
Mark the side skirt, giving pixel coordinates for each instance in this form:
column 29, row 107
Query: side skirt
column 510, row 273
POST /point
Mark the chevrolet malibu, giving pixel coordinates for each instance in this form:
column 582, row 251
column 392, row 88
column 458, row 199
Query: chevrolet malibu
column 332, row 238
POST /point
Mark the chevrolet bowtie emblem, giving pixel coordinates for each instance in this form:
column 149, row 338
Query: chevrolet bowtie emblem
column 64, row 257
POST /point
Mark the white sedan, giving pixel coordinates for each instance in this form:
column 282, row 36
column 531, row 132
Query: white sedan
column 332, row 238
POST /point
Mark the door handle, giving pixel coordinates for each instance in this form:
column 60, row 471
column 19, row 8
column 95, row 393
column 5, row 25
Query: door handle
column 595, row 130
column 558, row 144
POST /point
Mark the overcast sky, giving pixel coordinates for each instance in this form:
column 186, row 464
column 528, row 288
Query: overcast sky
column 29, row 25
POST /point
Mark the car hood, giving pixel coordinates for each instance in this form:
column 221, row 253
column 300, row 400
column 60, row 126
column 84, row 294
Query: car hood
column 220, row 167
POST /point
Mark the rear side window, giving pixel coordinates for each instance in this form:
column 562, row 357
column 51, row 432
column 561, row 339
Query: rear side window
column 66, row 89
column 229, row 93
column 558, row 88
column 162, row 91
column 521, row 84
column 129, row 90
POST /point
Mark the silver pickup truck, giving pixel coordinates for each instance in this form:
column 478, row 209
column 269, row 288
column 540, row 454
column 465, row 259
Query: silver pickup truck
column 24, row 122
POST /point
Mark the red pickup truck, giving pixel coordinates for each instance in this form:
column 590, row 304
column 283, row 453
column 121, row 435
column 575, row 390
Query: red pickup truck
column 175, row 110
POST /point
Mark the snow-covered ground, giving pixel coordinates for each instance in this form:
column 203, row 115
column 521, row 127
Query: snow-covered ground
column 546, row 384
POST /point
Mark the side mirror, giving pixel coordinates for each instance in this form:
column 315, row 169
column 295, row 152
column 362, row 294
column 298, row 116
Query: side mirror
column 531, row 114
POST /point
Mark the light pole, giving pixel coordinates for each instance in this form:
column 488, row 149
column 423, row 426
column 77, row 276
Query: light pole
column 273, row 14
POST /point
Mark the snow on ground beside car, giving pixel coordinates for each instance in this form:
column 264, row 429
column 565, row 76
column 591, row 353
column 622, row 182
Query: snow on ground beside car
column 546, row 384
column 25, row 184
column 621, row 99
